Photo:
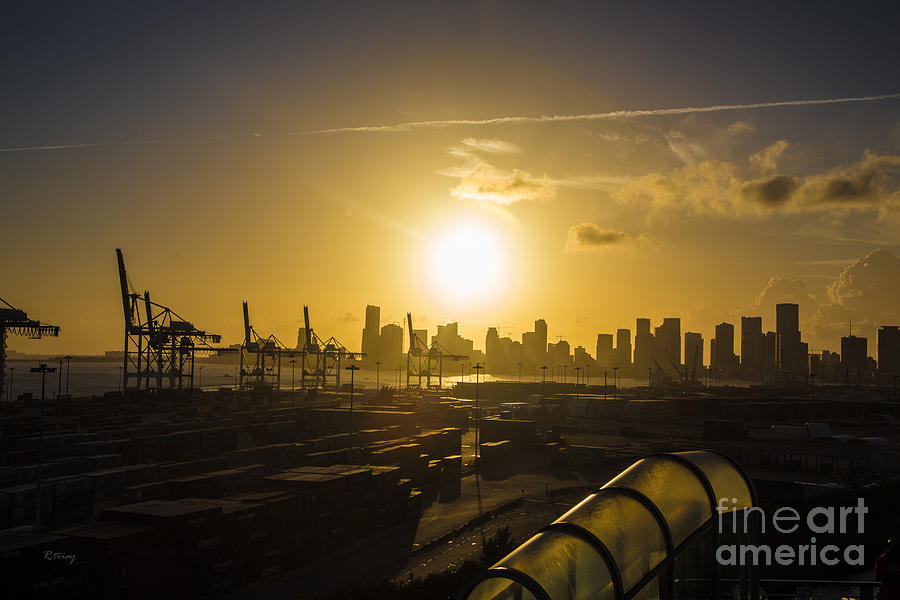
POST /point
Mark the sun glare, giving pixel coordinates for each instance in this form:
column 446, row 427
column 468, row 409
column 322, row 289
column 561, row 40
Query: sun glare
column 467, row 263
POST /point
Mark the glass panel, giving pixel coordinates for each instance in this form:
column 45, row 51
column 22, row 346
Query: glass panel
column 626, row 527
column 693, row 570
column 725, row 479
column 674, row 489
column 650, row 591
column 567, row 567
column 499, row 588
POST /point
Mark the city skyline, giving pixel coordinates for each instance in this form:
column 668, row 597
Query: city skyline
column 708, row 332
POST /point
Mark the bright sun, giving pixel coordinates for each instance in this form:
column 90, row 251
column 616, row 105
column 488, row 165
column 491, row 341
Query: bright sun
column 467, row 263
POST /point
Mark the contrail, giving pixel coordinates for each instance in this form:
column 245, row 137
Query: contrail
column 443, row 124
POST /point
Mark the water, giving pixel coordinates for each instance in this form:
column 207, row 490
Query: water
column 89, row 378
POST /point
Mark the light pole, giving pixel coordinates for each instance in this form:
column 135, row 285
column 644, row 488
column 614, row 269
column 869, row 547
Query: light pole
column 477, row 368
column 12, row 372
column 293, row 362
column 587, row 376
column 120, row 380
column 200, row 379
column 565, row 370
column 43, row 369
column 352, row 369
column 604, row 384
column 544, row 382
column 68, row 372
column 377, row 375
column 58, row 377
column 577, row 372
column 520, row 373
column 615, row 382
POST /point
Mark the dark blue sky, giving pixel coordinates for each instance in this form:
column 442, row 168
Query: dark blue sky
column 92, row 71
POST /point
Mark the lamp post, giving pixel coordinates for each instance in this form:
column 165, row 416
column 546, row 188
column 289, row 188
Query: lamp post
column 68, row 372
column 58, row 377
column 565, row 370
column 520, row 373
column 615, row 381
column 43, row 369
column 121, row 383
column 352, row 369
column 200, row 379
column 587, row 376
column 12, row 373
column 605, row 390
column 377, row 375
column 477, row 368
column 577, row 372
column 293, row 362
column 544, row 382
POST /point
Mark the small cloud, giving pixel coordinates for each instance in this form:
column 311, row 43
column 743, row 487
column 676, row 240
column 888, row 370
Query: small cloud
column 348, row 317
column 687, row 151
column 589, row 237
column 486, row 183
column 767, row 158
column 491, row 145
column 740, row 127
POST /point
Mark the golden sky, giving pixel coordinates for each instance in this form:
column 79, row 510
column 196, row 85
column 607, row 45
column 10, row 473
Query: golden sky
column 491, row 174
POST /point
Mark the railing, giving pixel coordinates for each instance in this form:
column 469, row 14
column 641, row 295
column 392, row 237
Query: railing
column 805, row 589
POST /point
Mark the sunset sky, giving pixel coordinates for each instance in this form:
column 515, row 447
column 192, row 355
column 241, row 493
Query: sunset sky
column 490, row 163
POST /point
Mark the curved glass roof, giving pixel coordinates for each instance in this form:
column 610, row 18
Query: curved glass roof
column 608, row 544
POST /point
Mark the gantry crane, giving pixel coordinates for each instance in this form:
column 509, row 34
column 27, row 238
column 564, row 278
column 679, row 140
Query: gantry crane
column 321, row 359
column 422, row 361
column 261, row 358
column 159, row 344
column 16, row 322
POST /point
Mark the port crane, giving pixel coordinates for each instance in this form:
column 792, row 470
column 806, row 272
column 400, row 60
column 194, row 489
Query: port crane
column 322, row 358
column 16, row 322
column 160, row 345
column 423, row 361
column 260, row 358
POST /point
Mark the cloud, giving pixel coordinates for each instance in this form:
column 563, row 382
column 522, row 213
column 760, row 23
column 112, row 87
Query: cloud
column 685, row 150
column 483, row 182
column 863, row 183
column 740, row 127
column 443, row 124
column 491, row 145
column 487, row 183
column 348, row 317
column 865, row 292
column 767, row 158
column 716, row 188
column 590, row 237
column 706, row 187
column 770, row 192
column 782, row 289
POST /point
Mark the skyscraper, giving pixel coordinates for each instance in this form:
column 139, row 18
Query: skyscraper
column 888, row 352
column 391, row 346
column 693, row 354
column 622, row 353
column 666, row 347
column 853, row 358
column 371, row 334
column 790, row 355
column 723, row 355
column 604, row 350
column 752, row 348
column 643, row 345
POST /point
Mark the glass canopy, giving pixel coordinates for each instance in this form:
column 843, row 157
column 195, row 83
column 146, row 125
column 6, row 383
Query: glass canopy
column 616, row 543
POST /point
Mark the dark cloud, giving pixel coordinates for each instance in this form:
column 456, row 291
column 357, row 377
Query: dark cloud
column 348, row 317
column 770, row 192
column 585, row 237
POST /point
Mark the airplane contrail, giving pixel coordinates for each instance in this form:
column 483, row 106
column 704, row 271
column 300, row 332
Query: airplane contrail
column 446, row 123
